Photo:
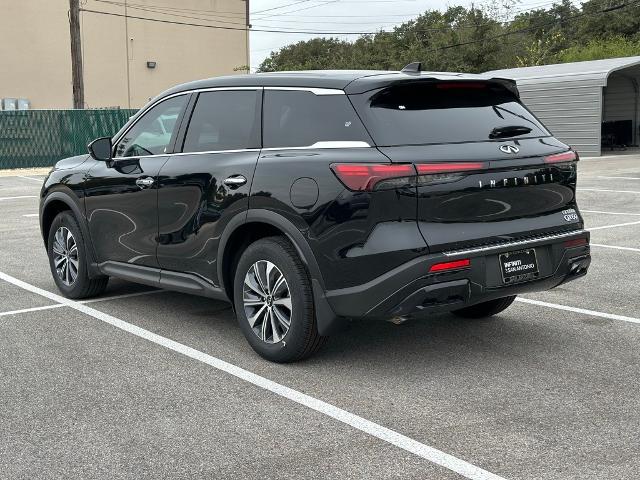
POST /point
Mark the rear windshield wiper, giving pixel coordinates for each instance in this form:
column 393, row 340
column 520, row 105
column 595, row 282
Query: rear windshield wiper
column 509, row 131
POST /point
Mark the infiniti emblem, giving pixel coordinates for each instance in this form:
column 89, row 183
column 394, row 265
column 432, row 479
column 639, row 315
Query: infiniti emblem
column 509, row 149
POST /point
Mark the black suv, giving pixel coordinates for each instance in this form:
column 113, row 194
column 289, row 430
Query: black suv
column 310, row 198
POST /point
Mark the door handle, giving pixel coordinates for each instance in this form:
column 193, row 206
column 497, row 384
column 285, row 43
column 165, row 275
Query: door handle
column 145, row 182
column 235, row 181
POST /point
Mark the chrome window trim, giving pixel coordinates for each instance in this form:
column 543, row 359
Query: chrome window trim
column 193, row 153
column 323, row 145
column 314, row 90
column 142, row 113
column 517, row 243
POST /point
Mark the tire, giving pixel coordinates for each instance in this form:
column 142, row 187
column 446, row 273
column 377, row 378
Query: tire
column 273, row 339
column 61, row 251
column 485, row 309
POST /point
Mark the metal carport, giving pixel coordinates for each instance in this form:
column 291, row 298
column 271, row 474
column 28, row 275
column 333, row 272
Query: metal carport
column 573, row 99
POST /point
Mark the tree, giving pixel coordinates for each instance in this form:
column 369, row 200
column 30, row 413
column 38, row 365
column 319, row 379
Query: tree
column 478, row 39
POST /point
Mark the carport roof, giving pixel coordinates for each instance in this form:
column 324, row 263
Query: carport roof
column 598, row 70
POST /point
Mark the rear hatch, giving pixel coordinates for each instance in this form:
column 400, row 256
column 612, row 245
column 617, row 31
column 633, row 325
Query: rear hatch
column 487, row 170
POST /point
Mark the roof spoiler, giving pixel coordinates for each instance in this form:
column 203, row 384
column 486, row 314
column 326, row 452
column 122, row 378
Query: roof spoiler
column 508, row 83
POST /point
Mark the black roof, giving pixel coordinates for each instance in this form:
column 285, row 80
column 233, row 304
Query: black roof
column 351, row 81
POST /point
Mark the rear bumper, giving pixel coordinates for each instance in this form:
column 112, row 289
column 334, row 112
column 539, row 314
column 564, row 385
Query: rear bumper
column 410, row 290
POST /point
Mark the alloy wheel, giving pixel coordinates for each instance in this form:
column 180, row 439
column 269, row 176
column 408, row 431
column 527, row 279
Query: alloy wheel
column 65, row 256
column 267, row 301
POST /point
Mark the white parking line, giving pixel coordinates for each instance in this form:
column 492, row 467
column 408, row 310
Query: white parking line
column 620, row 178
column 610, row 213
column 2, row 199
column 30, row 215
column 606, row 190
column 593, row 313
column 392, row 437
column 591, row 229
column 39, row 180
column 93, row 300
column 615, row 247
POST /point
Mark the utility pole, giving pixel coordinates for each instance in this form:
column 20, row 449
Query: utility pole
column 248, row 23
column 127, row 41
column 76, row 54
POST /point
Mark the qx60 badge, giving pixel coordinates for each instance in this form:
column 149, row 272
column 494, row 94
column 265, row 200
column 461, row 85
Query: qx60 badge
column 512, row 149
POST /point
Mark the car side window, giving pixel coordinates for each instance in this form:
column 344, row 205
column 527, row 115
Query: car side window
column 302, row 119
column 224, row 120
column 151, row 134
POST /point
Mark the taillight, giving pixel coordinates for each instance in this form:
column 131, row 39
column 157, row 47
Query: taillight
column 454, row 265
column 365, row 176
column 569, row 156
column 576, row 242
column 449, row 167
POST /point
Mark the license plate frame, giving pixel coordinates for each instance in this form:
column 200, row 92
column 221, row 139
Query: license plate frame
column 527, row 268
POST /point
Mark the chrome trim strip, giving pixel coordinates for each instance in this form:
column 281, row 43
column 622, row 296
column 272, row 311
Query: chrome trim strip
column 317, row 145
column 517, row 243
column 329, row 144
column 139, row 114
column 314, row 90
column 190, row 153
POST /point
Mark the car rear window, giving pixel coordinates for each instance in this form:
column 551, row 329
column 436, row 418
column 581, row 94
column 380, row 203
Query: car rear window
column 442, row 112
column 302, row 118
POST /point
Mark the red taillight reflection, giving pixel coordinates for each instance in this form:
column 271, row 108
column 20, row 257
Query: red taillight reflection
column 439, row 267
column 449, row 167
column 576, row 242
column 569, row 156
column 364, row 176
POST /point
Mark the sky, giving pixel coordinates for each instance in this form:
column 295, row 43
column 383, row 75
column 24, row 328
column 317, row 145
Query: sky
column 338, row 16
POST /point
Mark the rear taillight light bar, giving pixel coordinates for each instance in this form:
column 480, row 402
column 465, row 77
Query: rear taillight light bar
column 569, row 156
column 449, row 167
column 365, row 176
column 576, row 242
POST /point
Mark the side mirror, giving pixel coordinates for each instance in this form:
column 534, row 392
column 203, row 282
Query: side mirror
column 100, row 149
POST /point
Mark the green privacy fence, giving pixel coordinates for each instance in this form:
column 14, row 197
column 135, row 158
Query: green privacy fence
column 39, row 138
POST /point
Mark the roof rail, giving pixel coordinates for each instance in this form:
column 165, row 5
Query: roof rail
column 413, row 67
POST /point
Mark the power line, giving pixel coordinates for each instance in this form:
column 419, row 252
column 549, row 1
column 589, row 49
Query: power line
column 298, row 10
column 162, row 7
column 282, row 6
column 505, row 34
column 150, row 10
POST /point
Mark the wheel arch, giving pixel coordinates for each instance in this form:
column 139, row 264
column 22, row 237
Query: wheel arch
column 50, row 207
column 261, row 223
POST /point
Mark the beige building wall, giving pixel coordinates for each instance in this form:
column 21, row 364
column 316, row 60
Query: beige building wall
column 35, row 58
column 35, row 54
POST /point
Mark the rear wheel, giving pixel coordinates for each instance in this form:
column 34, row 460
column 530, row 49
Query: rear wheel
column 68, row 259
column 274, row 302
column 485, row 309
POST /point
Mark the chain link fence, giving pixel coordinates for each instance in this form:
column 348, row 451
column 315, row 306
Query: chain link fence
column 39, row 138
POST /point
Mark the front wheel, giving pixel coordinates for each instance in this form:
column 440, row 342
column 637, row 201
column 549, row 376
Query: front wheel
column 68, row 259
column 485, row 309
column 274, row 302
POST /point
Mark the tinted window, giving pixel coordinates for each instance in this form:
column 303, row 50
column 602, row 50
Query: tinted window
column 151, row 134
column 225, row 120
column 443, row 113
column 300, row 119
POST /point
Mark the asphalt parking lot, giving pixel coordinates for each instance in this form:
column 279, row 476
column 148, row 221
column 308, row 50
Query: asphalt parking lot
column 154, row 384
